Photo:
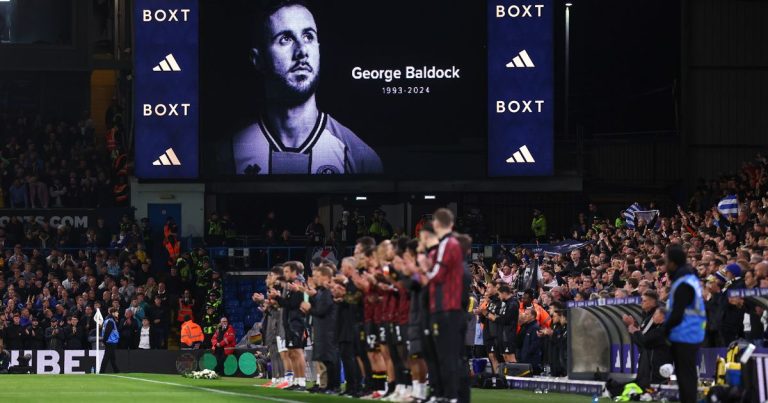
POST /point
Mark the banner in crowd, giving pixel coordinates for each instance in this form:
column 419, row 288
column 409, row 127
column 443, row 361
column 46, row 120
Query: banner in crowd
column 748, row 292
column 562, row 247
column 635, row 212
column 603, row 302
column 729, row 206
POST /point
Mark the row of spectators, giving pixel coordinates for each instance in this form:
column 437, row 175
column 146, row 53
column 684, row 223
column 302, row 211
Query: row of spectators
column 48, row 297
column 46, row 164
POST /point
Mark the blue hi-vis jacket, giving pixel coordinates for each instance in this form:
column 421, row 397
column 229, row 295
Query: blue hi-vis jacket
column 114, row 335
column 691, row 329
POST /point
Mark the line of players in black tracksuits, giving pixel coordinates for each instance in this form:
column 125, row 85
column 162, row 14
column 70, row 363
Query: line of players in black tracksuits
column 394, row 316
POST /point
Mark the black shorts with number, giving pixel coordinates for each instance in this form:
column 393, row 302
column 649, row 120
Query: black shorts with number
column 398, row 334
column 383, row 333
column 371, row 336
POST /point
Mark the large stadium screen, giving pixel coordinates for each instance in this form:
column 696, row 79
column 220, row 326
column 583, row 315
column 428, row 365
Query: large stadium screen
column 342, row 87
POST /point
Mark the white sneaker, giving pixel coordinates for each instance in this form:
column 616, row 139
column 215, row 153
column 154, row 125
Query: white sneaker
column 406, row 395
column 400, row 393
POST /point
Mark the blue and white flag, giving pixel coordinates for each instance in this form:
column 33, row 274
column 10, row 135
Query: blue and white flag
column 729, row 206
column 648, row 217
column 629, row 215
column 564, row 247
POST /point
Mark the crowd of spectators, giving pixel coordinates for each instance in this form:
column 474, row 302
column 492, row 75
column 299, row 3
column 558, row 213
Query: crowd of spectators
column 48, row 296
column 727, row 251
column 56, row 163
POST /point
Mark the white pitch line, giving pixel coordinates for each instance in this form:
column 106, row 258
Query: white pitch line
column 222, row 392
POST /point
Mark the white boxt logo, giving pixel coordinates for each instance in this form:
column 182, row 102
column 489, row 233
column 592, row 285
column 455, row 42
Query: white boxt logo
column 522, row 156
column 163, row 110
column 168, row 158
column 165, row 15
column 521, row 60
column 168, row 64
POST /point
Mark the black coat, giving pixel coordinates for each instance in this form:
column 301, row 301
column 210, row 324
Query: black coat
column 34, row 338
column 129, row 334
column 324, row 310
column 732, row 323
column 14, row 337
column 158, row 312
column 557, row 350
column 758, row 330
column 349, row 315
column 654, row 352
column 74, row 339
column 530, row 345
column 54, row 338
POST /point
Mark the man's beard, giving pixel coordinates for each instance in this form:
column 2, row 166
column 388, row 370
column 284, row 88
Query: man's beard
column 278, row 90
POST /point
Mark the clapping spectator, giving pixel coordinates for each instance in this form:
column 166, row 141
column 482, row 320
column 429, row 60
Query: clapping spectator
column 129, row 331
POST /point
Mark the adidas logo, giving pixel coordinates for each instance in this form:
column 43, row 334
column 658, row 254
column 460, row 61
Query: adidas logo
column 167, row 64
column 521, row 60
column 168, row 158
column 521, row 157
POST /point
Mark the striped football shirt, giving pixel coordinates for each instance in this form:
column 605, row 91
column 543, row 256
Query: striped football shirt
column 329, row 149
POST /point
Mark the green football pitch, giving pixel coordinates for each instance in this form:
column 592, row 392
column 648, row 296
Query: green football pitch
column 149, row 388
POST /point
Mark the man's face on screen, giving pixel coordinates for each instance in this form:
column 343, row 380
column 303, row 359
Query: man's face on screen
column 291, row 55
